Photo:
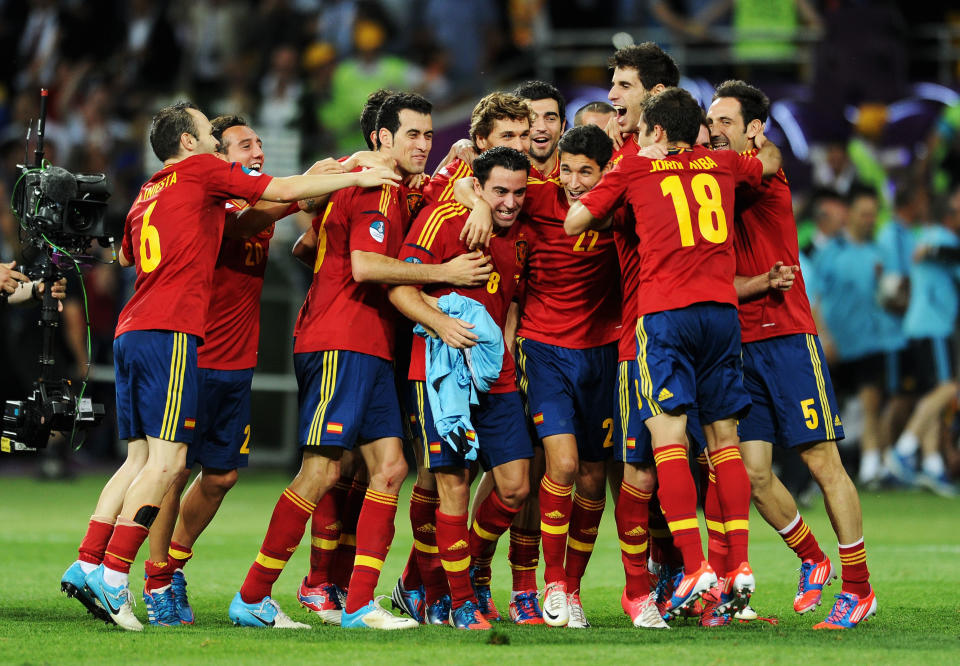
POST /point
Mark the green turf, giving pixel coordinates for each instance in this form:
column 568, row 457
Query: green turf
column 913, row 543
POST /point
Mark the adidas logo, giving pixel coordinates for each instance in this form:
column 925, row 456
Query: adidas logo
column 555, row 515
column 429, row 528
column 589, row 530
column 665, row 394
column 836, row 421
column 636, row 531
column 291, row 549
column 333, row 526
column 460, row 545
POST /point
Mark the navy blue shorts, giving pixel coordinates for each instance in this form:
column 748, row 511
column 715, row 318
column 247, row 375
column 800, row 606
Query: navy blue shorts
column 793, row 399
column 498, row 420
column 156, row 375
column 346, row 398
column 223, row 424
column 632, row 442
column 571, row 391
column 932, row 362
column 691, row 356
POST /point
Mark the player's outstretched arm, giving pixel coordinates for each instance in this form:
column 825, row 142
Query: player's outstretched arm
column 295, row 188
column 465, row 270
column 304, row 249
column 418, row 307
column 779, row 277
column 580, row 219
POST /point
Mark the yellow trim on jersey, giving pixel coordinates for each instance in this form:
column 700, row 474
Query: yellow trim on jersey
column 554, row 529
column 367, row 561
column 685, row 524
column 431, row 227
column 270, row 562
column 457, row 565
column 384, row 199
column 646, row 383
column 633, row 548
column 322, row 239
column 482, row 533
column 461, row 172
column 328, row 385
column 821, row 389
column 582, row 546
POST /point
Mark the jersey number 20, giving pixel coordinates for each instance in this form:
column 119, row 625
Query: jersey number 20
column 710, row 216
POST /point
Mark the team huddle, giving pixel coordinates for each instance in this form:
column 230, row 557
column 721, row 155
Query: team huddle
column 558, row 309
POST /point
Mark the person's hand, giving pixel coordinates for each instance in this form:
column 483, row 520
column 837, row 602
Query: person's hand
column 760, row 138
column 326, row 166
column 10, row 279
column 468, row 270
column 613, row 131
column 455, row 332
column 478, row 228
column 782, row 277
column 378, row 176
column 657, row 151
column 464, row 151
column 368, row 159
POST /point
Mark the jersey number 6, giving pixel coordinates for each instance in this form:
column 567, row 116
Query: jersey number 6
column 149, row 243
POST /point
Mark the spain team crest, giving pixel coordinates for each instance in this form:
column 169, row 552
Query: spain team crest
column 523, row 249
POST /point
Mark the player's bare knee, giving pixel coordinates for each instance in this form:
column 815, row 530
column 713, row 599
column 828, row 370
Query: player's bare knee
column 760, row 481
column 563, row 469
column 218, row 483
column 514, row 492
column 391, row 474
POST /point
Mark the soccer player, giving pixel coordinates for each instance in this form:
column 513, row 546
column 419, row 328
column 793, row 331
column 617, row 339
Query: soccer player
column 503, row 448
column 786, row 375
column 348, row 397
column 226, row 372
column 172, row 235
column 638, row 72
column 594, row 113
column 688, row 338
column 548, row 120
column 499, row 119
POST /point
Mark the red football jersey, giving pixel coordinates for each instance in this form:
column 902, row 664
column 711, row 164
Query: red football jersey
column 765, row 234
column 434, row 238
column 554, row 174
column 572, row 295
column 629, row 147
column 683, row 206
column 625, row 237
column 338, row 312
column 173, row 237
column 233, row 320
column 413, row 201
column 440, row 187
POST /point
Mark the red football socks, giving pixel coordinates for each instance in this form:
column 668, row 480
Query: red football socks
column 284, row 533
column 375, row 529
column 853, row 568
column 717, row 549
column 342, row 565
column 94, row 543
column 493, row 519
column 452, row 536
column 632, row 515
column 733, row 490
column 423, row 506
column 324, row 539
column 524, row 557
column 556, row 505
column 178, row 555
column 122, row 548
column 678, row 498
column 159, row 575
column 584, row 524
column 801, row 540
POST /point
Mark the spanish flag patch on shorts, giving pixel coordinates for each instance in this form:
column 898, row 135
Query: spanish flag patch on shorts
column 538, row 418
column 335, row 427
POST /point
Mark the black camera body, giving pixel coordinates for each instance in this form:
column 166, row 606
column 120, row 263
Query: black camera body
column 27, row 424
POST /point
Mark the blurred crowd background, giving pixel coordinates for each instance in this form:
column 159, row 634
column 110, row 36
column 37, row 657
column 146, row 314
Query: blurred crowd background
column 865, row 107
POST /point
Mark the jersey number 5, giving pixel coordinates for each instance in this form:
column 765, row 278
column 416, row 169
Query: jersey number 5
column 149, row 243
column 710, row 216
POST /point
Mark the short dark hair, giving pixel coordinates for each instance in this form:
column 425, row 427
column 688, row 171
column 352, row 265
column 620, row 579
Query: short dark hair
column 534, row 90
column 493, row 107
column 221, row 124
column 389, row 114
column 368, row 116
column 499, row 156
column 676, row 111
column 859, row 190
column 592, row 107
column 754, row 105
column 653, row 64
column 588, row 140
column 168, row 125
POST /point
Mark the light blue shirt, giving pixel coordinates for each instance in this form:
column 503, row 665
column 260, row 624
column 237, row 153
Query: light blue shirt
column 932, row 312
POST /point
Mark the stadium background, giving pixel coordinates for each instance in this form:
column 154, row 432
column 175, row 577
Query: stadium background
column 863, row 87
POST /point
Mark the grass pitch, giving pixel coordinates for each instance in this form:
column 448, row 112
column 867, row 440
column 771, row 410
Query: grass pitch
column 913, row 543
